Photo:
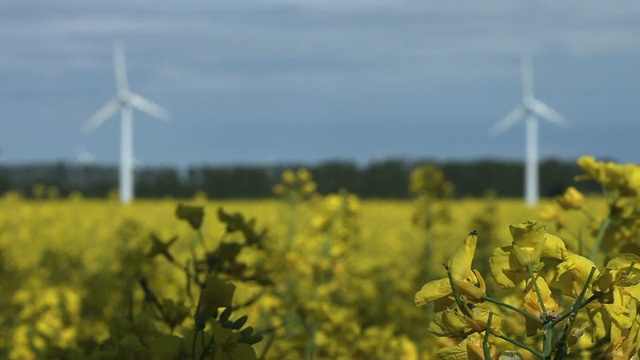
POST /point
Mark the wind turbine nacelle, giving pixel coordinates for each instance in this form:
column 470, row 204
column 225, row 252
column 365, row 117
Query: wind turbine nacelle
column 528, row 103
column 124, row 98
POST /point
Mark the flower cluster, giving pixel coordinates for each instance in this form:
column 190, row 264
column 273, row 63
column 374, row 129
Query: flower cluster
column 614, row 177
column 296, row 184
column 563, row 295
column 619, row 231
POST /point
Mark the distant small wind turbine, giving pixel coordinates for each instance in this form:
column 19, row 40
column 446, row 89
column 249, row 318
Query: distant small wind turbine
column 530, row 109
column 84, row 156
column 126, row 101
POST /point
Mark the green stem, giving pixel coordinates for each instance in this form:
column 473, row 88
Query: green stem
column 572, row 233
column 548, row 341
column 587, row 214
column 485, row 342
column 201, row 238
column 581, row 242
column 629, row 269
column 193, row 346
column 568, row 312
column 456, row 295
column 266, row 348
column 578, row 304
column 511, row 307
column 521, row 345
column 311, row 344
column 293, row 222
column 577, row 237
column 208, row 349
column 572, row 314
column 596, row 247
column 535, row 286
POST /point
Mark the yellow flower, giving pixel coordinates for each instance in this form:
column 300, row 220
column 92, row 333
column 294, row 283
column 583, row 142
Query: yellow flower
column 530, row 243
column 192, row 214
column 532, row 304
column 216, row 294
column 298, row 184
column 555, row 248
column 427, row 179
column 480, row 318
column 160, row 247
column 505, row 268
column 572, row 199
column 623, row 270
column 303, row 175
column 571, row 275
column 633, row 340
column 599, row 322
column 551, row 213
column 449, row 322
column 618, row 287
column 466, row 281
column 469, row 348
column 288, row 177
column 624, row 178
column 452, row 323
column 622, row 310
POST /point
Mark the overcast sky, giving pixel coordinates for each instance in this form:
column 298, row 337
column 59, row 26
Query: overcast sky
column 313, row 80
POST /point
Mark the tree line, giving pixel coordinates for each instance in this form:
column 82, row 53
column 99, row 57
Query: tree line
column 380, row 179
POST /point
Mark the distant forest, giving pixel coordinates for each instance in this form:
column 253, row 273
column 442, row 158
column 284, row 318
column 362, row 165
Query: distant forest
column 382, row 179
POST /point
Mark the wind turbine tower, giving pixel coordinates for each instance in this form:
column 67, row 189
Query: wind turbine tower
column 125, row 101
column 529, row 109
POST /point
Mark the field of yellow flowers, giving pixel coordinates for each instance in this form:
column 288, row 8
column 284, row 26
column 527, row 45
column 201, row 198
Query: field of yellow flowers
column 306, row 276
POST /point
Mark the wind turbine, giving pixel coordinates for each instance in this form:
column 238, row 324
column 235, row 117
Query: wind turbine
column 83, row 156
column 530, row 109
column 125, row 101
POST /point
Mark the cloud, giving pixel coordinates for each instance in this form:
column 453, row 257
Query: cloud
column 601, row 41
column 433, row 65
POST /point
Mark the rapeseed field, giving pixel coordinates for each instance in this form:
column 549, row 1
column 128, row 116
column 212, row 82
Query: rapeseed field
column 305, row 276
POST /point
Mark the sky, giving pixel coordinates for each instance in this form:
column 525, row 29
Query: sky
column 255, row 82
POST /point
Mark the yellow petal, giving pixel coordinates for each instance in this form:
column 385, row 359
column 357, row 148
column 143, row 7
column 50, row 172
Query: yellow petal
column 528, row 255
column 475, row 351
column 571, row 199
column 623, row 310
column 529, row 239
column 623, row 270
column 460, row 261
column 216, row 293
column 624, row 261
column 527, row 234
column 532, row 304
column 571, row 275
column 499, row 262
column 554, row 247
column 469, row 290
column 634, row 291
column 449, row 323
column 457, row 352
column 481, row 317
column 596, row 313
column 474, row 347
column 433, row 290
column 545, row 292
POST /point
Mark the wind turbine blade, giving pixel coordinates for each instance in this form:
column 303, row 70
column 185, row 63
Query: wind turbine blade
column 120, row 65
column 526, row 71
column 101, row 116
column 511, row 118
column 149, row 107
column 544, row 111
